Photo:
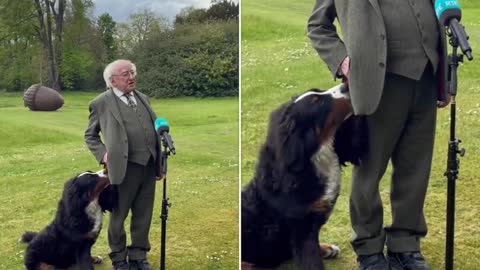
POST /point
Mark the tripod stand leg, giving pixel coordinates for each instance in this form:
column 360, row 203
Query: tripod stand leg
column 164, row 216
column 449, row 252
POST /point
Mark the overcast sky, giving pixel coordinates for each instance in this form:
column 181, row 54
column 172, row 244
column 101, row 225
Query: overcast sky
column 120, row 10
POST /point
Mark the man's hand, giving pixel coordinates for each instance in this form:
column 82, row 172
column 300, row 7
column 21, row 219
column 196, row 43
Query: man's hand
column 345, row 69
column 443, row 104
column 105, row 159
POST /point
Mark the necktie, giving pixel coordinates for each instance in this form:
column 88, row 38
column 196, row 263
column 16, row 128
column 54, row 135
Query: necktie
column 130, row 102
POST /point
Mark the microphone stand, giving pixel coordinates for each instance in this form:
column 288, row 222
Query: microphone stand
column 165, row 204
column 454, row 149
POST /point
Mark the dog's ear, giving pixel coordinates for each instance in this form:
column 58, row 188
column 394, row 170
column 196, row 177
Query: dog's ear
column 74, row 197
column 108, row 199
column 297, row 149
column 351, row 140
column 293, row 143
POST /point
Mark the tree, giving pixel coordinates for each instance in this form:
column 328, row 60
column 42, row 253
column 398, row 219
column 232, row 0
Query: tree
column 144, row 23
column 106, row 28
column 190, row 60
column 78, row 64
column 50, row 32
column 223, row 10
column 220, row 10
column 20, row 53
column 191, row 15
column 140, row 27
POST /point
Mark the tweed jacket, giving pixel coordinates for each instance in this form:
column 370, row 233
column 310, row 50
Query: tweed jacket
column 105, row 118
column 364, row 41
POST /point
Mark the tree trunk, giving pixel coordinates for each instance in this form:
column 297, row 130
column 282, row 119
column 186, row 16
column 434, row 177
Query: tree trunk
column 51, row 44
column 52, row 56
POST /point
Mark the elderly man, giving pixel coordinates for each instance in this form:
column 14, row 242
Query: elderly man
column 393, row 56
column 130, row 150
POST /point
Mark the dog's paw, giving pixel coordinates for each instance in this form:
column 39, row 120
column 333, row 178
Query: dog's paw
column 97, row 259
column 247, row 266
column 329, row 252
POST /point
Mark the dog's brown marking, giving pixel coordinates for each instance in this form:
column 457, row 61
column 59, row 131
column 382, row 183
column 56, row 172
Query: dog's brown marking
column 103, row 182
column 247, row 266
column 44, row 266
column 91, row 235
column 341, row 109
column 321, row 206
column 327, row 251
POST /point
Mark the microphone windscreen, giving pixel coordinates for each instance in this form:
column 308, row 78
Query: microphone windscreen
column 447, row 10
column 161, row 124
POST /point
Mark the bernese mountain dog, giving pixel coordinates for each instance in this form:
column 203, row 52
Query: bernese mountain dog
column 297, row 180
column 68, row 239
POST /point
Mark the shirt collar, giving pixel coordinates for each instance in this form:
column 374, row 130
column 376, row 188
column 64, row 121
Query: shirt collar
column 119, row 93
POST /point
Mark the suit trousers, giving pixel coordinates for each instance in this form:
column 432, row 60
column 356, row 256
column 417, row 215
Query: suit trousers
column 136, row 193
column 402, row 130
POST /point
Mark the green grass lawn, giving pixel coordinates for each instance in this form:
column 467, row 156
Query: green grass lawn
column 39, row 151
column 278, row 62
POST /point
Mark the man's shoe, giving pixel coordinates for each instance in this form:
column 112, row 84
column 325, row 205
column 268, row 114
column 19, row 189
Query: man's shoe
column 120, row 265
column 140, row 265
column 407, row 261
column 373, row 262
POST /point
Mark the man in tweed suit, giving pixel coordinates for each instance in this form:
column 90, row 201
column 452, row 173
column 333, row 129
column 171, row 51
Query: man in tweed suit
column 130, row 150
column 392, row 54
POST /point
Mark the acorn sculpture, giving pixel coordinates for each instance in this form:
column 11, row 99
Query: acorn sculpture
column 41, row 98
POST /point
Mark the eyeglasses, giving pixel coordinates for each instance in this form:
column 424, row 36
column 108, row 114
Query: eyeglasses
column 127, row 74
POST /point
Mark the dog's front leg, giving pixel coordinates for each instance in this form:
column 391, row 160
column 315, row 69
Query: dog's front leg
column 85, row 259
column 306, row 250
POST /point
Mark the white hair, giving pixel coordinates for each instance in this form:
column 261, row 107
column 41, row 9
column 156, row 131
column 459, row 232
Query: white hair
column 108, row 71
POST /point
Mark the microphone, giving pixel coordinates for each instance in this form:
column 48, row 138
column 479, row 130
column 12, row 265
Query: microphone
column 162, row 127
column 449, row 14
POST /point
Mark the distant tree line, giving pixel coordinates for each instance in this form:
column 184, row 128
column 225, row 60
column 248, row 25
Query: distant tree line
column 60, row 44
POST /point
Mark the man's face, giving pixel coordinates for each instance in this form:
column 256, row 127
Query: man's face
column 123, row 78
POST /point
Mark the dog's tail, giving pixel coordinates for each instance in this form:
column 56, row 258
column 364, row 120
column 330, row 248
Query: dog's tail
column 27, row 237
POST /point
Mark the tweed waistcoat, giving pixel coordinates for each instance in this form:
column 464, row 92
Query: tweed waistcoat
column 412, row 36
column 140, row 132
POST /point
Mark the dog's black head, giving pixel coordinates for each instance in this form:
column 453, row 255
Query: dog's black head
column 299, row 127
column 85, row 188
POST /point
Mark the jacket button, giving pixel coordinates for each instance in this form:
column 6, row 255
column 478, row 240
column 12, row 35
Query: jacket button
column 124, row 156
column 382, row 36
column 381, row 64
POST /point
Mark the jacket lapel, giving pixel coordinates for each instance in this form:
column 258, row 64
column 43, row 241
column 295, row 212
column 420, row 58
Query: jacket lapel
column 147, row 106
column 113, row 107
column 376, row 6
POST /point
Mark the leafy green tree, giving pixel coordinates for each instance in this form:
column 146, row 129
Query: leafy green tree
column 79, row 63
column 223, row 10
column 20, row 53
column 220, row 10
column 140, row 27
column 190, row 60
column 191, row 15
column 106, row 28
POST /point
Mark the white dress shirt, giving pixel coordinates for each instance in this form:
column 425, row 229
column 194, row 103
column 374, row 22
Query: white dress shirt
column 120, row 94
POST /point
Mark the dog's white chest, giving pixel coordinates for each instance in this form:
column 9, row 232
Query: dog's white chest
column 94, row 213
column 326, row 164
